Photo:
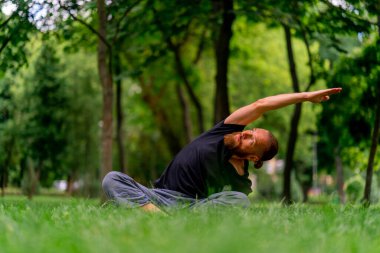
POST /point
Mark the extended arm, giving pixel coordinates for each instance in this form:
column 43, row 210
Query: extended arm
column 249, row 113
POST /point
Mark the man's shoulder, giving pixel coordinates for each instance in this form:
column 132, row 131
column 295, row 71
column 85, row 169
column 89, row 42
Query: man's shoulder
column 221, row 129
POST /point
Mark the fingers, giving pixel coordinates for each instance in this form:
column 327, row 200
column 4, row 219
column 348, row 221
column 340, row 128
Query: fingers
column 334, row 90
column 331, row 91
column 324, row 95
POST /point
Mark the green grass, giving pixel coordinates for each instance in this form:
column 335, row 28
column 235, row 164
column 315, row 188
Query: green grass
column 75, row 225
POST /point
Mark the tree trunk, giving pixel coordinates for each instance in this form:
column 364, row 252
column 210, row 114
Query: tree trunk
column 34, row 178
column 161, row 117
column 371, row 158
column 375, row 138
column 70, row 184
column 339, row 176
column 222, row 53
column 106, row 81
column 292, row 140
column 175, row 47
column 119, row 115
column 303, row 185
column 2, row 180
column 5, row 167
column 181, row 71
column 185, row 113
column 290, row 148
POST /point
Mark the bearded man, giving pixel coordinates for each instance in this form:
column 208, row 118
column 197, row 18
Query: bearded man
column 212, row 170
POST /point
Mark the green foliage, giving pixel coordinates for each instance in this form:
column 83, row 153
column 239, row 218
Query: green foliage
column 354, row 188
column 53, row 117
column 44, row 129
column 15, row 31
column 81, row 123
column 346, row 125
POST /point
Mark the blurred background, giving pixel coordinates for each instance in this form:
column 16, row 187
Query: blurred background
column 87, row 87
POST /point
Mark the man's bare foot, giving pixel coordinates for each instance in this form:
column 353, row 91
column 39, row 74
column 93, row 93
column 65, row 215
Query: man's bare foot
column 150, row 208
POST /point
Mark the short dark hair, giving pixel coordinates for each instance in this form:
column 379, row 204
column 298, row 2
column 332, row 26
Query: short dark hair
column 272, row 149
column 269, row 152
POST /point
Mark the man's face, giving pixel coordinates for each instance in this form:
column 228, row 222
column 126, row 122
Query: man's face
column 248, row 142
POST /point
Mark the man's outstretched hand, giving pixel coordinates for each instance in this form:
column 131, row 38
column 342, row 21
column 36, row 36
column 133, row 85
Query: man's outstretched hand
column 321, row 95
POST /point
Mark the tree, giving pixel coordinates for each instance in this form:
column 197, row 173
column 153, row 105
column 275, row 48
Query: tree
column 358, row 75
column 374, row 80
column 176, row 34
column 308, row 20
column 7, row 142
column 359, row 124
column 106, row 55
column 224, row 12
column 15, row 31
column 44, row 128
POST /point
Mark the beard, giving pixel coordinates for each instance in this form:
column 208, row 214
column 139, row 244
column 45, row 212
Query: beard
column 231, row 143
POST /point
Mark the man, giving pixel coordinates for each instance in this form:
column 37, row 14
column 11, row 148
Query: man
column 201, row 171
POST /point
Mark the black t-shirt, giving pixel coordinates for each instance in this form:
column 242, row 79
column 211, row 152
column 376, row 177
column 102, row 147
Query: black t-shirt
column 202, row 167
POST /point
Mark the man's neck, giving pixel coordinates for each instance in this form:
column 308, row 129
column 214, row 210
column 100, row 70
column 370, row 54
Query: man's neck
column 238, row 164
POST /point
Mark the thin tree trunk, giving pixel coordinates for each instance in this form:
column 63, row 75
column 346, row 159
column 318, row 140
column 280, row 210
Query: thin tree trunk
column 375, row 138
column 23, row 168
column 119, row 115
column 292, row 140
column 303, row 185
column 201, row 47
column 179, row 66
column 290, row 148
column 371, row 158
column 34, row 178
column 70, row 184
column 181, row 71
column 106, row 81
column 2, row 180
column 161, row 117
column 222, row 54
column 339, row 176
column 5, row 169
column 185, row 113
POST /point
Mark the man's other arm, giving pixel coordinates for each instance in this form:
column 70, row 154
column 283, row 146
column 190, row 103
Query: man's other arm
column 251, row 112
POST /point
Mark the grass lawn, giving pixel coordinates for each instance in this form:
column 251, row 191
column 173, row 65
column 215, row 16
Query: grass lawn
column 77, row 225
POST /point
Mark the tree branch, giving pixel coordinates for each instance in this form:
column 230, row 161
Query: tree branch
column 311, row 65
column 200, row 47
column 6, row 41
column 330, row 5
column 118, row 24
column 8, row 19
column 86, row 25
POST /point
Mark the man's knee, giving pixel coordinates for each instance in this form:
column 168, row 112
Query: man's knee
column 108, row 181
column 242, row 199
column 111, row 179
column 124, row 190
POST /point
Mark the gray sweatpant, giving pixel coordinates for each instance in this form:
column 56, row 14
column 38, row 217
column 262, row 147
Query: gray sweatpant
column 125, row 191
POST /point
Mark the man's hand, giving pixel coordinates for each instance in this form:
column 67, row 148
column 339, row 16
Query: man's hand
column 321, row 95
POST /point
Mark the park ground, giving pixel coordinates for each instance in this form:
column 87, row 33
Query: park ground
column 56, row 224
